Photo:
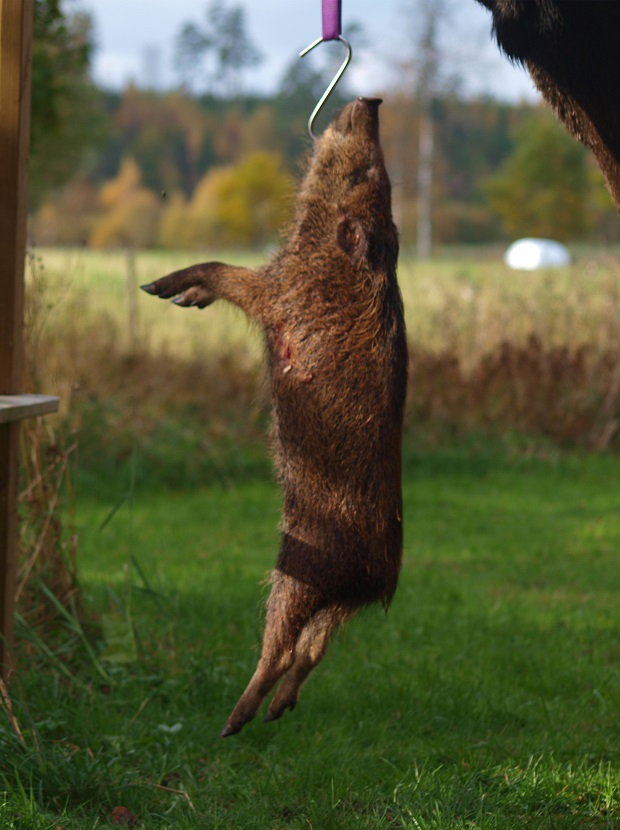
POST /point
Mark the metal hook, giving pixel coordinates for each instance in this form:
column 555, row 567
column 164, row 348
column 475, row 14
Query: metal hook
column 332, row 85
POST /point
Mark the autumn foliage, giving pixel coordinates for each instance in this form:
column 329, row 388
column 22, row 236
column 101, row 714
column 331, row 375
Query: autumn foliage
column 181, row 172
column 244, row 204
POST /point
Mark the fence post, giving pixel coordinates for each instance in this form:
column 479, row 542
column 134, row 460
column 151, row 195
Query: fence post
column 16, row 23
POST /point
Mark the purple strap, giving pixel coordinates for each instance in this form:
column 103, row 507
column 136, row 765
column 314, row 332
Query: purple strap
column 332, row 19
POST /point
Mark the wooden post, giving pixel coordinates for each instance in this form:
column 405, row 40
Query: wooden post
column 131, row 287
column 16, row 19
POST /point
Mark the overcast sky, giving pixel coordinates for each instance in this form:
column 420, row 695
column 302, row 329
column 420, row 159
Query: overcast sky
column 135, row 38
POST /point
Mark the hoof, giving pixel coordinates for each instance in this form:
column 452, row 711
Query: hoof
column 276, row 714
column 185, row 302
column 149, row 288
column 231, row 729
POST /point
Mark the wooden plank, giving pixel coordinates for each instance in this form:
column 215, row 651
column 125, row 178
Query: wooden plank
column 16, row 18
column 18, row 407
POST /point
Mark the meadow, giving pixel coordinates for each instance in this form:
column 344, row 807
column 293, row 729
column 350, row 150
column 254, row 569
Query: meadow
column 466, row 300
column 536, row 353
column 488, row 696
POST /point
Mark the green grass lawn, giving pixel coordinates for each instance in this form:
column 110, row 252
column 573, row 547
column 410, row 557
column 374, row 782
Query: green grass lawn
column 488, row 696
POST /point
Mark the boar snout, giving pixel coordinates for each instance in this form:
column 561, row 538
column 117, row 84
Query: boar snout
column 360, row 116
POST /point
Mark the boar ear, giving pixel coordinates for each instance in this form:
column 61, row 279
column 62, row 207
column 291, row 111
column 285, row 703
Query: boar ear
column 351, row 237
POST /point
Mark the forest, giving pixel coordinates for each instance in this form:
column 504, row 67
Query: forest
column 210, row 165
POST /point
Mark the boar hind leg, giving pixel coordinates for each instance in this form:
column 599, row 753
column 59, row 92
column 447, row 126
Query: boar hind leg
column 290, row 608
column 309, row 651
column 201, row 285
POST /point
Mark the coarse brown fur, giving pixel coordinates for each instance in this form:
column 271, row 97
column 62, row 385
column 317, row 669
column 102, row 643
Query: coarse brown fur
column 572, row 51
column 336, row 351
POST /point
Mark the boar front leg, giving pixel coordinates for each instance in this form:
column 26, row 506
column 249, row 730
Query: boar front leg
column 200, row 285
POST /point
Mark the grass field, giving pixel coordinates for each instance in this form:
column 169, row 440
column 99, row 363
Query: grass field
column 534, row 352
column 470, row 305
column 488, row 697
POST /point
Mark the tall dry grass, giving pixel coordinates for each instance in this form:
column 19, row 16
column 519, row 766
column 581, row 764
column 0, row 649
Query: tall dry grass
column 47, row 543
column 537, row 353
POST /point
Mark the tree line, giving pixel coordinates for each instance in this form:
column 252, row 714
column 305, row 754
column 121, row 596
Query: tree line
column 213, row 167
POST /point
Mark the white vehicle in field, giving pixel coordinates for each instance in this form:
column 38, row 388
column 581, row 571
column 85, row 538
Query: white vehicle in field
column 529, row 254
